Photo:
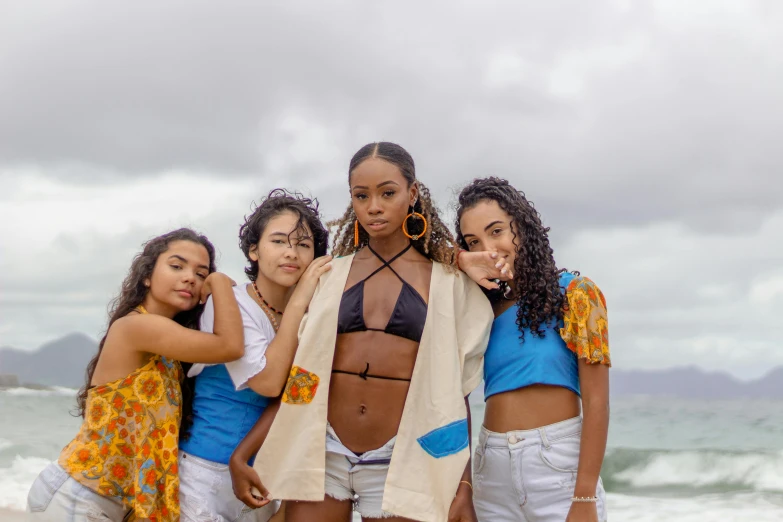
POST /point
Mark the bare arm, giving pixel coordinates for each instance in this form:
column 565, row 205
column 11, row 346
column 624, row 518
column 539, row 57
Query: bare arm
column 280, row 353
column 159, row 335
column 269, row 382
column 244, row 478
column 461, row 509
column 594, row 383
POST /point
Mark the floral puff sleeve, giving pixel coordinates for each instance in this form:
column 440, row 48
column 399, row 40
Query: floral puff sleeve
column 585, row 326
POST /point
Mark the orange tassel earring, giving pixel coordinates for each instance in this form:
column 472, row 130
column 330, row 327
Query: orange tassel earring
column 356, row 233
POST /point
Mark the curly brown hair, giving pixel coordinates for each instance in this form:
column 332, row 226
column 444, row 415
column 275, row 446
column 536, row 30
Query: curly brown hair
column 278, row 201
column 132, row 294
column 536, row 276
column 436, row 244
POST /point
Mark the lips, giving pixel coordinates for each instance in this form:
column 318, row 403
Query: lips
column 185, row 293
column 376, row 224
column 289, row 268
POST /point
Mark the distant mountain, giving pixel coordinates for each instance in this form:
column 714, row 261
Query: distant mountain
column 62, row 363
column 692, row 382
column 57, row 363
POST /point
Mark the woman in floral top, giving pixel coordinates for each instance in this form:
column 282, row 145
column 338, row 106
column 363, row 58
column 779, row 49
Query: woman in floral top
column 545, row 369
column 122, row 465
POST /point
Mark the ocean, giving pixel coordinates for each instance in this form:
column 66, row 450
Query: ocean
column 674, row 460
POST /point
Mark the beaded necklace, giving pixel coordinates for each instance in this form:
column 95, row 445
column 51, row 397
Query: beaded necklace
column 268, row 309
column 275, row 310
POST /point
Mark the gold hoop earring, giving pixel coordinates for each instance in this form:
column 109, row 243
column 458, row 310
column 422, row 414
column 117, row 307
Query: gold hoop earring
column 405, row 225
column 356, row 232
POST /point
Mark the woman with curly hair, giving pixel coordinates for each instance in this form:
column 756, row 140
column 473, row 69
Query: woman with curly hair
column 374, row 414
column 285, row 244
column 541, row 448
column 122, row 465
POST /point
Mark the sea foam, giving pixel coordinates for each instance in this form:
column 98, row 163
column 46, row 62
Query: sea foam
column 15, row 481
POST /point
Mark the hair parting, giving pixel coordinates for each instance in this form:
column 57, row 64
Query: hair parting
column 436, row 243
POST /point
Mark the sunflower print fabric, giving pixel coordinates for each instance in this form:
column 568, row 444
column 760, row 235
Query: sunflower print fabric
column 127, row 446
column 585, row 327
column 301, row 386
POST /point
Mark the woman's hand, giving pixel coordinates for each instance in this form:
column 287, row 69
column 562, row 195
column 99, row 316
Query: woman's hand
column 583, row 512
column 305, row 288
column 215, row 278
column 461, row 509
column 247, row 484
column 483, row 267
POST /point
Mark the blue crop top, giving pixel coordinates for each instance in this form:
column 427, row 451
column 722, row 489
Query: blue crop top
column 511, row 364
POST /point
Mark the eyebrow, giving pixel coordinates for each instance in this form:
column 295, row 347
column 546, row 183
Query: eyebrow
column 305, row 236
column 379, row 185
column 177, row 256
column 486, row 227
column 493, row 224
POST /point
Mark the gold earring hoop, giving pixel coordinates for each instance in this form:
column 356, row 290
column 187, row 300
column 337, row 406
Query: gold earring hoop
column 414, row 237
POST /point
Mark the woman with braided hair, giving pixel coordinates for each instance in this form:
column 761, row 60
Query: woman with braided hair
column 540, row 449
column 374, row 415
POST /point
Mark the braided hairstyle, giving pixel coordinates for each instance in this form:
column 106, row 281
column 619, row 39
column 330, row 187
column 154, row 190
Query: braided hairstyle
column 536, row 276
column 436, row 244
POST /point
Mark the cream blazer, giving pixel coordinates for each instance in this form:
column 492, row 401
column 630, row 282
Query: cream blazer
column 432, row 446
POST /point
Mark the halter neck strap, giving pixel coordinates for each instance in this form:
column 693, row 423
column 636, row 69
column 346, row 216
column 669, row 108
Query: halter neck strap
column 387, row 264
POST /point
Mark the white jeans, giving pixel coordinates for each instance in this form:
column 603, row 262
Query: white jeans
column 56, row 497
column 206, row 494
column 360, row 479
column 529, row 475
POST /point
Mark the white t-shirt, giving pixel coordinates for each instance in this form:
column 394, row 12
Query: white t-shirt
column 258, row 334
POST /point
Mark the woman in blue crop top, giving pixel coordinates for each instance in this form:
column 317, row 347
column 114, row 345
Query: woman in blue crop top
column 541, row 447
column 280, row 240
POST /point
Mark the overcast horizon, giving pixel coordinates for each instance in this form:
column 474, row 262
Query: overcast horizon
column 645, row 133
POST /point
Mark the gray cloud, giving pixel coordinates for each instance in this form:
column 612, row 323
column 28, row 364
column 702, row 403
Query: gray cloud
column 612, row 116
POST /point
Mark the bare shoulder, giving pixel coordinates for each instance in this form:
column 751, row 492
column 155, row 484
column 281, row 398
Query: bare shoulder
column 131, row 326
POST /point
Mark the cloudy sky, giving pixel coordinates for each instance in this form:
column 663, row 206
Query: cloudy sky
column 647, row 133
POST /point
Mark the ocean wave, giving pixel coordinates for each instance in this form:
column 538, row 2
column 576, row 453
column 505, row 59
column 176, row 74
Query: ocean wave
column 726, row 507
column 34, row 392
column 15, row 481
column 699, row 470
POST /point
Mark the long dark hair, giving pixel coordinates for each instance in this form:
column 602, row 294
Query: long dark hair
column 278, row 201
column 436, row 243
column 536, row 276
column 132, row 294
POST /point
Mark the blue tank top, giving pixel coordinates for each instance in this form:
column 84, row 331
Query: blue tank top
column 511, row 364
column 222, row 416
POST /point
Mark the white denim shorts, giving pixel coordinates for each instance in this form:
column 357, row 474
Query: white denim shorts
column 206, row 494
column 358, row 478
column 56, row 497
column 529, row 475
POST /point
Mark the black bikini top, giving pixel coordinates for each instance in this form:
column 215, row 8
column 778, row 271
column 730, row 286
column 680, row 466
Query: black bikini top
column 407, row 319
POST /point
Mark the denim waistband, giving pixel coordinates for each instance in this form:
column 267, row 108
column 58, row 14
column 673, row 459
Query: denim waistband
column 377, row 456
column 520, row 438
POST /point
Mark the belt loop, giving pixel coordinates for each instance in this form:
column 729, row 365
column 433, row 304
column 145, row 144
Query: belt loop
column 544, row 440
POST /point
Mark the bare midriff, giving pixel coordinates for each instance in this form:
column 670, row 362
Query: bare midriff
column 530, row 407
column 366, row 413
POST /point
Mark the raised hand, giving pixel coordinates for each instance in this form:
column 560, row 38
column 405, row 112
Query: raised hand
column 484, row 267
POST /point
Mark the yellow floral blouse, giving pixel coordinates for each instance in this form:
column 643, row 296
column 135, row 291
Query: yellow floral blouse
column 585, row 329
column 127, row 445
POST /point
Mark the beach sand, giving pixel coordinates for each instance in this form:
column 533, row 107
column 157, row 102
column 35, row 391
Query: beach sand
column 7, row 515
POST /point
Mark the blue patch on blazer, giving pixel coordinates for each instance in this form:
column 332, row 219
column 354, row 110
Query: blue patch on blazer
column 446, row 440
